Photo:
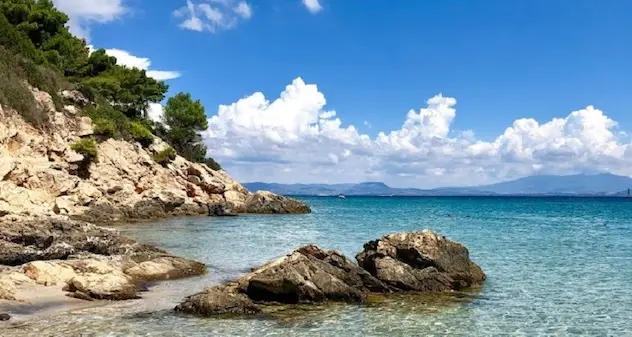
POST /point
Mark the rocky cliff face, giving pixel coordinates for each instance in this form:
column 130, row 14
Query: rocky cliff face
column 39, row 176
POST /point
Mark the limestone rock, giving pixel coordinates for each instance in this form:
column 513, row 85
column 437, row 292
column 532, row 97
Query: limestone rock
column 7, row 164
column 112, row 286
column 420, row 261
column 166, row 268
column 307, row 275
column 49, row 273
column 218, row 301
column 76, row 97
column 85, row 127
column 264, row 202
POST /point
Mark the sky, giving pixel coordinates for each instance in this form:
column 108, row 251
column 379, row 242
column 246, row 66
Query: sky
column 411, row 93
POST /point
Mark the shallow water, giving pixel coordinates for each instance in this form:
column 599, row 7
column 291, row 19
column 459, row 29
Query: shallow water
column 555, row 266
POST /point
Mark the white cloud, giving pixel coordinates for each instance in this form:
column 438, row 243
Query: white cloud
column 84, row 13
column 214, row 16
column 126, row 59
column 313, row 6
column 255, row 137
column 155, row 112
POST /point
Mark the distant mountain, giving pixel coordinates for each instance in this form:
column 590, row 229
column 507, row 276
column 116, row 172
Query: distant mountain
column 572, row 184
column 580, row 184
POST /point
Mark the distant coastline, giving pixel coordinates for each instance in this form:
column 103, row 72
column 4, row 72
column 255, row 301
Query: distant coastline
column 581, row 185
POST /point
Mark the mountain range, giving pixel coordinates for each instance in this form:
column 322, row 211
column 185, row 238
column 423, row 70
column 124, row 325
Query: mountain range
column 604, row 184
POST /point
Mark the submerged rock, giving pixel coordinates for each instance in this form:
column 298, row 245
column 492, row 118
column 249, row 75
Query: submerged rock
column 422, row 262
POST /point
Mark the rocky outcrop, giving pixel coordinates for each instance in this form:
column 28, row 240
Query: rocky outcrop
column 264, row 202
column 423, row 262
column 420, row 261
column 307, row 275
column 41, row 175
column 90, row 262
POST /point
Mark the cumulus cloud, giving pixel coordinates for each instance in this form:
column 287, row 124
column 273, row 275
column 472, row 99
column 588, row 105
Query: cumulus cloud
column 255, row 137
column 213, row 16
column 84, row 13
column 126, row 59
column 313, row 6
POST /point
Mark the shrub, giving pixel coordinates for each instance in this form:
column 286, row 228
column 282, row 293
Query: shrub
column 86, row 147
column 15, row 94
column 210, row 162
column 140, row 134
column 110, row 121
column 105, row 127
column 165, row 156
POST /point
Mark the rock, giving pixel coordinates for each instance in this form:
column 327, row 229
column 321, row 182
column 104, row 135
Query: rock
column 220, row 209
column 85, row 127
column 420, row 261
column 166, row 268
column 73, row 157
column 308, row 275
column 5, row 317
column 49, row 273
column 76, row 97
column 218, row 301
column 26, row 239
column 264, row 202
column 114, row 286
column 7, row 164
column 7, row 290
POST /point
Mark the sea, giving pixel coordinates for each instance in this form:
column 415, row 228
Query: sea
column 556, row 266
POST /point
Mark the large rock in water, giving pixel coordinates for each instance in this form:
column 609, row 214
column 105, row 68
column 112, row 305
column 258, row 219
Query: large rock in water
column 421, row 261
column 263, row 202
column 307, row 275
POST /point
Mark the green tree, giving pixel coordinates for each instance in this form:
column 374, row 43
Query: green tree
column 38, row 19
column 184, row 118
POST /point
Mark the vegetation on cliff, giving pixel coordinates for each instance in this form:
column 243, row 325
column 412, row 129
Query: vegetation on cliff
column 37, row 48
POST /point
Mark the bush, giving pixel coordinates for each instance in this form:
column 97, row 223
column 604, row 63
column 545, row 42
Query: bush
column 86, row 147
column 15, row 94
column 105, row 127
column 110, row 121
column 141, row 134
column 165, row 156
column 210, row 162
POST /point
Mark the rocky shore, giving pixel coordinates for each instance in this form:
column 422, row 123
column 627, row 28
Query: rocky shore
column 48, row 209
column 421, row 262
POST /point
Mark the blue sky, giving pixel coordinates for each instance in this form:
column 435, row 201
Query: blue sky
column 373, row 61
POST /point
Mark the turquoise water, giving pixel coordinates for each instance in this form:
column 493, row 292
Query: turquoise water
column 555, row 266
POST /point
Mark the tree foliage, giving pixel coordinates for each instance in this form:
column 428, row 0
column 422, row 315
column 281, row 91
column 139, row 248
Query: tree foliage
column 184, row 118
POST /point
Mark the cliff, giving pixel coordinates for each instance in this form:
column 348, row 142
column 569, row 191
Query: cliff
column 41, row 175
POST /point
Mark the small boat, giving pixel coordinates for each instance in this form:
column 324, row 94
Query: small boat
column 342, row 197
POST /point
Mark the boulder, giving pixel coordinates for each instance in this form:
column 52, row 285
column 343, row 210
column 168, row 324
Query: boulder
column 166, row 268
column 422, row 261
column 218, row 301
column 49, row 273
column 220, row 209
column 76, row 97
column 5, row 317
column 263, row 202
column 111, row 286
column 307, row 275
